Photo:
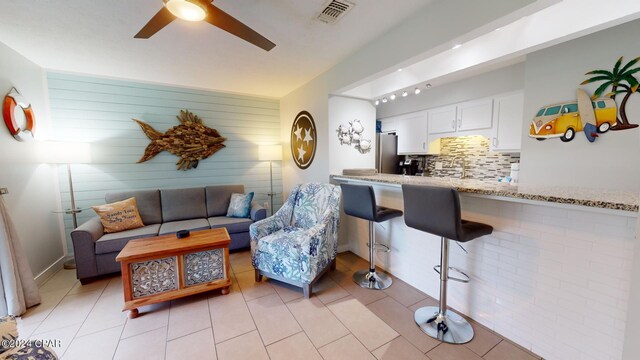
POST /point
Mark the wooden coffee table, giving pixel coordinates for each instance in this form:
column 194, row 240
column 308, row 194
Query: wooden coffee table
column 163, row 268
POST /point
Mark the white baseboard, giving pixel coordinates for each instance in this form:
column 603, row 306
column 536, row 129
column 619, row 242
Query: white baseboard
column 344, row 248
column 48, row 272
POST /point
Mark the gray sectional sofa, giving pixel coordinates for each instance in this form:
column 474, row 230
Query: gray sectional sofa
column 163, row 212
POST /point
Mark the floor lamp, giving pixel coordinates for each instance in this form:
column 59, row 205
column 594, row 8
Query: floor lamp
column 68, row 153
column 270, row 153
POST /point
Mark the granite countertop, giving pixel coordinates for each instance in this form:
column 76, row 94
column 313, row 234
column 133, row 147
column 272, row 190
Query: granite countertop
column 605, row 199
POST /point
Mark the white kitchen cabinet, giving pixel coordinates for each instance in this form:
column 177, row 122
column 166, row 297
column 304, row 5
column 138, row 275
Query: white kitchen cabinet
column 412, row 133
column 508, row 117
column 388, row 125
column 442, row 120
column 475, row 115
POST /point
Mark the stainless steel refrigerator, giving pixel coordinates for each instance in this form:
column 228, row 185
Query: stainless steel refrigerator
column 387, row 158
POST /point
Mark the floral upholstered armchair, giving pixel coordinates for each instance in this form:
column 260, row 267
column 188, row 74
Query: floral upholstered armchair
column 300, row 241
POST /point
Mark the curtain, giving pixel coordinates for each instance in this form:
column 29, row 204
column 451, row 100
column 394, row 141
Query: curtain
column 18, row 289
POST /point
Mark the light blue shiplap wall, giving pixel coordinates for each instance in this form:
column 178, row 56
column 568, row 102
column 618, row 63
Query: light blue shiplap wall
column 99, row 111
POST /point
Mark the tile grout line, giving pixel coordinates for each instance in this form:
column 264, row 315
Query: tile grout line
column 166, row 335
column 334, row 315
column 58, row 303
column 254, row 320
column 120, row 338
column 98, row 331
column 213, row 334
column 86, row 317
column 288, row 310
column 237, row 336
column 346, row 327
column 187, row 334
column 493, row 347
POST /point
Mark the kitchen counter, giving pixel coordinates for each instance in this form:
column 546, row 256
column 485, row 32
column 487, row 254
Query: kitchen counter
column 555, row 259
column 594, row 198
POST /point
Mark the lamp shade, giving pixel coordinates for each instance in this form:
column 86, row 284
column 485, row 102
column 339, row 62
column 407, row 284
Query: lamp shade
column 186, row 9
column 269, row 152
column 65, row 153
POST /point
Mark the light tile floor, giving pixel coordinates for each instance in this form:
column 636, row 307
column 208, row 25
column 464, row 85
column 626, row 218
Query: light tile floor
column 267, row 320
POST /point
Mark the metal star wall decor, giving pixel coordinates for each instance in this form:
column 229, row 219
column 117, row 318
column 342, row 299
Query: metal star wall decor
column 303, row 140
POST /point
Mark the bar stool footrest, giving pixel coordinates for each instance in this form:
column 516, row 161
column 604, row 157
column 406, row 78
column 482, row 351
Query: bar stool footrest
column 464, row 279
column 385, row 248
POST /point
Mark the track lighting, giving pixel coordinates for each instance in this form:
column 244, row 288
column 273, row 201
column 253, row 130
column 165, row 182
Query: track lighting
column 428, row 86
column 377, row 102
column 417, row 91
column 404, row 94
column 392, row 97
column 384, row 100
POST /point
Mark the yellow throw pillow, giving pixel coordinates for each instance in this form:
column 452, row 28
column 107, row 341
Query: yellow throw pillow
column 119, row 216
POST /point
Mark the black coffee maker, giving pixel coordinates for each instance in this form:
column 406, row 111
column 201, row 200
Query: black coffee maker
column 409, row 166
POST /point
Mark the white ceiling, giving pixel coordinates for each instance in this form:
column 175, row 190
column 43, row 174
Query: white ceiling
column 548, row 23
column 96, row 37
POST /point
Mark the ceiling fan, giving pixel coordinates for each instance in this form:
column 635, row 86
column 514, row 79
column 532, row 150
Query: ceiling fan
column 198, row 10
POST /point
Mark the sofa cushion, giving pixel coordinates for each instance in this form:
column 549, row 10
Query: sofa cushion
column 119, row 216
column 175, row 226
column 183, row 204
column 148, row 202
column 218, row 198
column 240, row 205
column 233, row 225
column 116, row 241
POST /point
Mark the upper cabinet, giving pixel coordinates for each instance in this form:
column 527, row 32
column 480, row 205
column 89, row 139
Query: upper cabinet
column 499, row 119
column 442, row 120
column 475, row 115
column 388, row 125
column 508, row 117
column 455, row 120
column 412, row 133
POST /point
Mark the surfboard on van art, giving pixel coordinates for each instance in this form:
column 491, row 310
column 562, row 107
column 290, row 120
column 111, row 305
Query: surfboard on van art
column 587, row 115
column 563, row 120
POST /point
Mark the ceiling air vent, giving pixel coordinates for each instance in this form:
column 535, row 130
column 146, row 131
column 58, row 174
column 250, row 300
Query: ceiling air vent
column 334, row 11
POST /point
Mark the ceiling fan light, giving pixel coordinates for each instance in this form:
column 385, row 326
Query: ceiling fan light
column 186, row 10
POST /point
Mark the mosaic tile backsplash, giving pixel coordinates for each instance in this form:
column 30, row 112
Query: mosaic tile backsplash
column 473, row 153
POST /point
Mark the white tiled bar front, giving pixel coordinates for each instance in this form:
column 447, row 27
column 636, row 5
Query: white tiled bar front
column 555, row 278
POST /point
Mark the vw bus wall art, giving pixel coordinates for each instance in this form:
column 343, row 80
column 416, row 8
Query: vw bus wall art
column 592, row 115
column 564, row 120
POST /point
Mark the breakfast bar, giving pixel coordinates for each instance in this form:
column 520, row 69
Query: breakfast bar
column 556, row 270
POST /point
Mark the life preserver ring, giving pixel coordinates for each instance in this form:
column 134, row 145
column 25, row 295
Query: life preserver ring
column 10, row 102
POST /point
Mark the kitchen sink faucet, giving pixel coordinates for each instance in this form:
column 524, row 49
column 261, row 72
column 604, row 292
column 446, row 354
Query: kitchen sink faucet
column 463, row 175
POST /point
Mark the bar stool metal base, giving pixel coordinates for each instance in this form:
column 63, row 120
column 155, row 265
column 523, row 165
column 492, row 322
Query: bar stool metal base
column 448, row 327
column 372, row 280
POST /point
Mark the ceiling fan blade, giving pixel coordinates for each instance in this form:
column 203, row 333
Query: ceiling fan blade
column 157, row 22
column 228, row 23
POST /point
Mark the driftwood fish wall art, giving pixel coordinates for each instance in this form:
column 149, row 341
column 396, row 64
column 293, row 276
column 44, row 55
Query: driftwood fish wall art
column 191, row 141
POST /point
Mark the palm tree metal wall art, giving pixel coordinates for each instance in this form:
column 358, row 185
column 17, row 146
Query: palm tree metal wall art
column 622, row 81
